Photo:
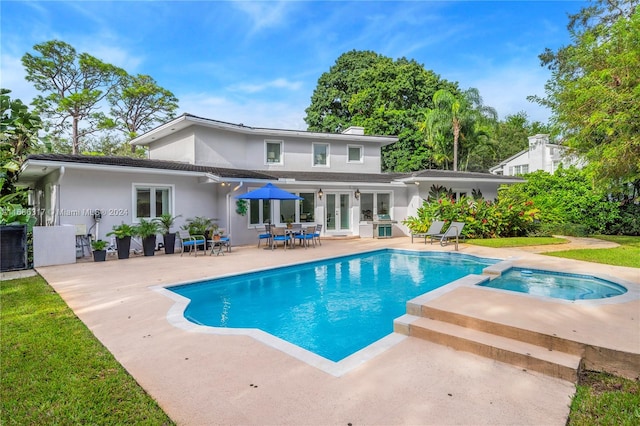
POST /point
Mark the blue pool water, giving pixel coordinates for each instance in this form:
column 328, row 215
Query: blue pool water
column 333, row 307
column 555, row 284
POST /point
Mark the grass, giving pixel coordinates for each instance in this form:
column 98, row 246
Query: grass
column 516, row 241
column 54, row 371
column 627, row 254
column 604, row 399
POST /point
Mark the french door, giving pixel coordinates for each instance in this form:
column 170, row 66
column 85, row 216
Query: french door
column 337, row 213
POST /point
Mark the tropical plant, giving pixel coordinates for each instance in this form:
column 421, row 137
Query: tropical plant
column 12, row 213
column 121, row 231
column 482, row 218
column 99, row 244
column 165, row 221
column 18, row 132
column 452, row 114
column 146, row 228
column 199, row 225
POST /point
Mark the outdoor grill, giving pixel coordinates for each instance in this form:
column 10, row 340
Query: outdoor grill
column 383, row 226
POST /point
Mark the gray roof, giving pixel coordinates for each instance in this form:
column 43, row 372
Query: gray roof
column 267, row 175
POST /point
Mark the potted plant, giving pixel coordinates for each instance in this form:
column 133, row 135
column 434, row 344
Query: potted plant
column 147, row 230
column 165, row 222
column 289, row 223
column 123, row 233
column 216, row 232
column 99, row 250
column 200, row 225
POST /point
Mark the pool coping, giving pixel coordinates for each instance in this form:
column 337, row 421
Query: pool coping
column 176, row 317
column 206, row 379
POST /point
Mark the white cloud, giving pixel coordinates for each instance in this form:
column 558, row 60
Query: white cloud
column 506, row 87
column 267, row 14
column 279, row 83
column 288, row 114
column 13, row 78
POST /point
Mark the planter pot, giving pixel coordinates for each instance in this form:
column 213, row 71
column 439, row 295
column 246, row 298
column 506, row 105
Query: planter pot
column 99, row 255
column 149, row 245
column 169, row 243
column 124, row 244
column 13, row 247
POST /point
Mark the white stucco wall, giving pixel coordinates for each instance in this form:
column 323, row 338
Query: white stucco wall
column 82, row 192
column 221, row 148
column 179, row 146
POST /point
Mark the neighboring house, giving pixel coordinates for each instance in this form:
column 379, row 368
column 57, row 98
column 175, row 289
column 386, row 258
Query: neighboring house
column 197, row 166
column 541, row 155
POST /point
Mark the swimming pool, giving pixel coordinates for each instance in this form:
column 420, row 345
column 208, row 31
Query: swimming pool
column 332, row 307
column 557, row 285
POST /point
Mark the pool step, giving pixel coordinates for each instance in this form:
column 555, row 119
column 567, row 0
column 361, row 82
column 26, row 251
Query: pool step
column 522, row 354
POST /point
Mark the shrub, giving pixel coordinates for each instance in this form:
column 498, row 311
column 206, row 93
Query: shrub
column 483, row 218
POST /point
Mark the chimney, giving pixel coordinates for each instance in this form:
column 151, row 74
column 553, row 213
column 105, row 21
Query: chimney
column 353, row 130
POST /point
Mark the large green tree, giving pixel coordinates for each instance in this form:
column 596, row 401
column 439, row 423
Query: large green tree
column 73, row 85
column 384, row 96
column 138, row 103
column 454, row 118
column 594, row 88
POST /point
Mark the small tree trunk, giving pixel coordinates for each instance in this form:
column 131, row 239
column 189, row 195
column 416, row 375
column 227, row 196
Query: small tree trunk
column 75, row 137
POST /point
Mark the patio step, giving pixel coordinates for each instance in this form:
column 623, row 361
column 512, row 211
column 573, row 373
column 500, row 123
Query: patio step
column 504, row 349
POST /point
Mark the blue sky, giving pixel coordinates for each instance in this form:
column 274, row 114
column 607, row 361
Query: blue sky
column 258, row 63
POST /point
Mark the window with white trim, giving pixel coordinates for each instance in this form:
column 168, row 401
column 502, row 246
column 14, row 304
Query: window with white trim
column 374, row 203
column 150, row 201
column 273, row 152
column 354, row 154
column 320, row 154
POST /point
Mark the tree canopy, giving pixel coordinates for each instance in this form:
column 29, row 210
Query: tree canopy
column 594, row 89
column 75, row 88
column 384, row 96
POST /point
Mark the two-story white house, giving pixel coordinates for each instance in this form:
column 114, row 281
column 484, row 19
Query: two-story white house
column 197, row 167
column 541, row 155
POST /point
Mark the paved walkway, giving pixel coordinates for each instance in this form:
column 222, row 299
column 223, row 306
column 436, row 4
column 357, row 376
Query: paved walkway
column 205, row 379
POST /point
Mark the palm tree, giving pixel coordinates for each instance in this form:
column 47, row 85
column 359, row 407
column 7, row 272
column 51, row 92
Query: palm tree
column 452, row 114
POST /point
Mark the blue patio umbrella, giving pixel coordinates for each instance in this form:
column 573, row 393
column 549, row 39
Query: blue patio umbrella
column 269, row 192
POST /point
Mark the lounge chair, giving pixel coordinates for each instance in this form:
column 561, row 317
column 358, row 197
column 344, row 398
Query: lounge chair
column 187, row 240
column 454, row 231
column 434, row 229
column 279, row 234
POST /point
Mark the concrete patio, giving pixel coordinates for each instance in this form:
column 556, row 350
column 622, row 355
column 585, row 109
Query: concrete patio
column 204, row 378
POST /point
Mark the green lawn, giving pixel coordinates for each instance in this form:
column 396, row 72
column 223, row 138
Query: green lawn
column 628, row 254
column 603, row 399
column 54, row 371
column 516, row 241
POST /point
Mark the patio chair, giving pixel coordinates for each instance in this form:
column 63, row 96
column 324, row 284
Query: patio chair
column 264, row 234
column 316, row 234
column 191, row 241
column 279, row 234
column 454, row 231
column 306, row 236
column 434, row 229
